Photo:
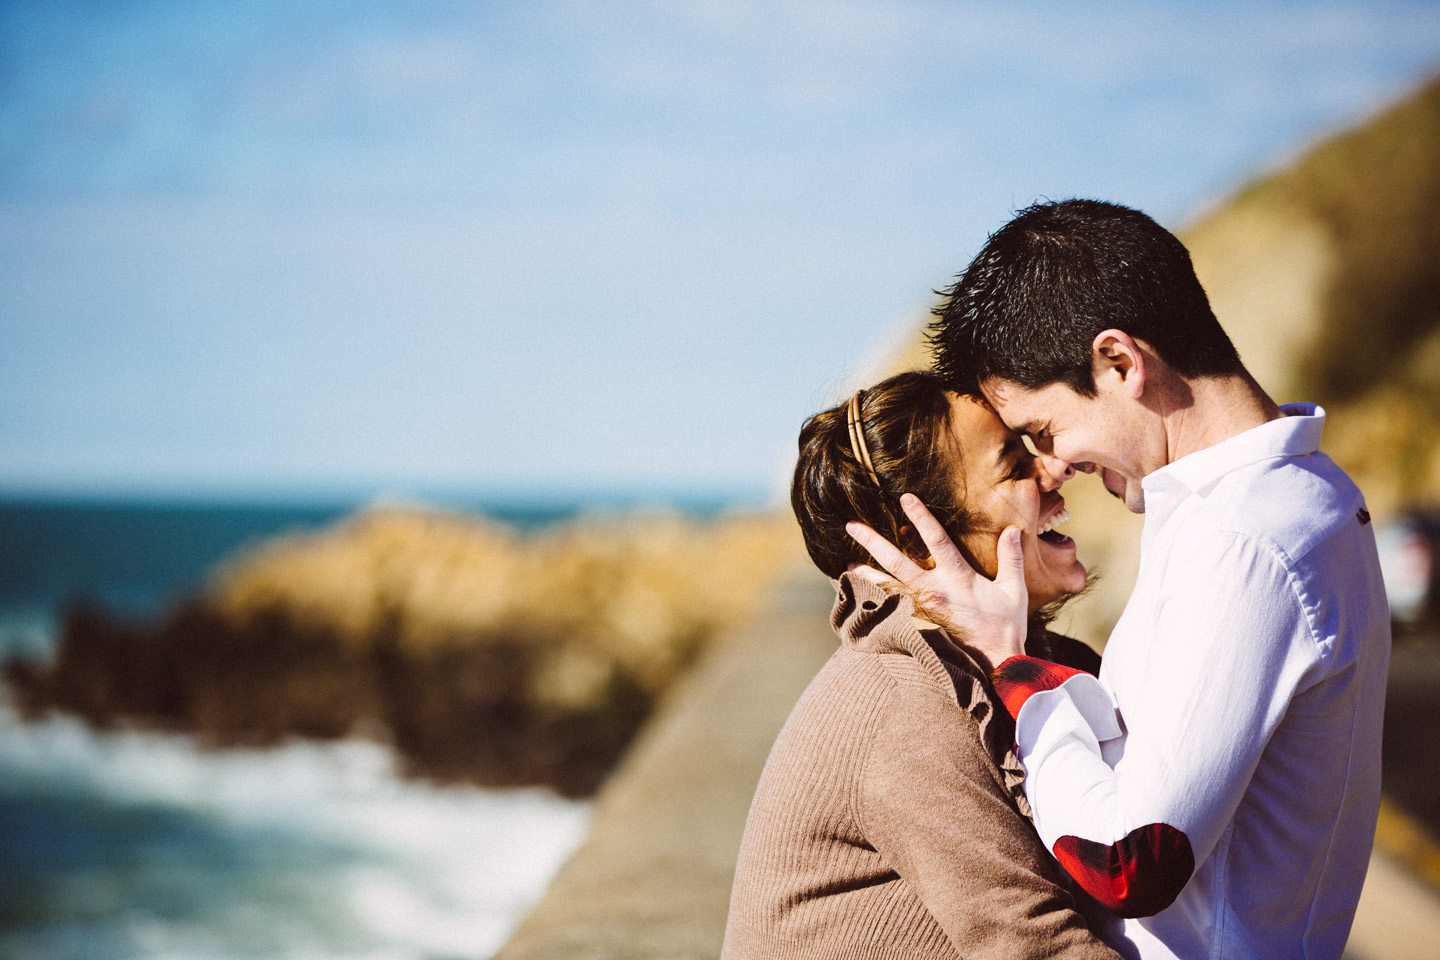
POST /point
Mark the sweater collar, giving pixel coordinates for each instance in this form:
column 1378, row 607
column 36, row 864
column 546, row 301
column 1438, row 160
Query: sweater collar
column 871, row 619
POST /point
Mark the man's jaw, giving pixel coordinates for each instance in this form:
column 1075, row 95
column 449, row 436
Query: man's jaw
column 1123, row 490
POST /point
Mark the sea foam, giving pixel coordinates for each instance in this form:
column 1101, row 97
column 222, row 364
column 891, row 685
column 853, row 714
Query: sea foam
column 125, row 844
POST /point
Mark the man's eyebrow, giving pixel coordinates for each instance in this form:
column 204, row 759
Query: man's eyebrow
column 1031, row 427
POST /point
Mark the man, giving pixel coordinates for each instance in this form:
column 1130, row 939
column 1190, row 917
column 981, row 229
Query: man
column 1219, row 785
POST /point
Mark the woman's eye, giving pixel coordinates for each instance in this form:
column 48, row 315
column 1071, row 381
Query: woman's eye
column 1022, row 468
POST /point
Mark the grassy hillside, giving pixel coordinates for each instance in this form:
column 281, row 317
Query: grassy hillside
column 1326, row 274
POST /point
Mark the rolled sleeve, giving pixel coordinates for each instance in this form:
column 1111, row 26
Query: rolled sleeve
column 1234, row 648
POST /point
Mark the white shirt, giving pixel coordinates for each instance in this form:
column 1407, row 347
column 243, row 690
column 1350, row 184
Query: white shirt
column 1239, row 704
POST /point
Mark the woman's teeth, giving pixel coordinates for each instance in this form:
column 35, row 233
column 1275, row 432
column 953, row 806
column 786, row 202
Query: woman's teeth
column 1055, row 521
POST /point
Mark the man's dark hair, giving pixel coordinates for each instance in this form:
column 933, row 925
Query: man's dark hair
column 1044, row 285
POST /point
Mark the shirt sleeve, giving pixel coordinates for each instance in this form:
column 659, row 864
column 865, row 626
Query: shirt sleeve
column 931, row 804
column 1228, row 652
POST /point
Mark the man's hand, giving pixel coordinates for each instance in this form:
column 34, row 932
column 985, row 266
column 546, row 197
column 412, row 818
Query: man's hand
column 987, row 617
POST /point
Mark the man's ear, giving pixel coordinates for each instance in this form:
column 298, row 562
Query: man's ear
column 1120, row 357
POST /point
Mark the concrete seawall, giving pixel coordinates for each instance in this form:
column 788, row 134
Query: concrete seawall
column 652, row 879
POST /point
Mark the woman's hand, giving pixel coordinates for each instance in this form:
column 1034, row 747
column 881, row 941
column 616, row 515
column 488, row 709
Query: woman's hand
column 988, row 617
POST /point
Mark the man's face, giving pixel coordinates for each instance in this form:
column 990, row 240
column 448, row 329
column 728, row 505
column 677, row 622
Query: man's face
column 1104, row 432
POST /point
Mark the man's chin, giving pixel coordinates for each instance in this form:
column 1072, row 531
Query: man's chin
column 1121, row 489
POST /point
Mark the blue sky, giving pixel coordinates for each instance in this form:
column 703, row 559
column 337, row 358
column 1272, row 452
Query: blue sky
column 557, row 247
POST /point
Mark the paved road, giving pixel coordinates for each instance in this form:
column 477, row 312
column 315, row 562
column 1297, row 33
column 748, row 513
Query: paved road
column 1399, row 916
column 652, row 880
column 1411, row 755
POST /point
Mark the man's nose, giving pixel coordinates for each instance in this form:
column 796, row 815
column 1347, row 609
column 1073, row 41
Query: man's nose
column 1053, row 471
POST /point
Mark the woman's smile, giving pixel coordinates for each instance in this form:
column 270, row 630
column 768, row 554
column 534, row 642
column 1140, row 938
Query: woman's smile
column 1004, row 485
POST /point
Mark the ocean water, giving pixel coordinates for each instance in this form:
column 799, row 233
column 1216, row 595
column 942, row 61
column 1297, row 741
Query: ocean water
column 132, row 557
column 117, row 845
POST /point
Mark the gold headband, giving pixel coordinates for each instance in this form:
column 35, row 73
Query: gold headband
column 857, row 437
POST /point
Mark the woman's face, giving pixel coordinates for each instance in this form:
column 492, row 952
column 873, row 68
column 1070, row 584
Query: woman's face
column 1004, row 486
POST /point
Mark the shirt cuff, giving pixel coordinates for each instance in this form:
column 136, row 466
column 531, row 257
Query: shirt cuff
column 1019, row 678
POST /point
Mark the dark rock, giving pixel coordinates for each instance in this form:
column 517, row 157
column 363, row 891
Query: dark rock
column 463, row 710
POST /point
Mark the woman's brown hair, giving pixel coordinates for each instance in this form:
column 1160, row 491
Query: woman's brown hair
column 905, row 428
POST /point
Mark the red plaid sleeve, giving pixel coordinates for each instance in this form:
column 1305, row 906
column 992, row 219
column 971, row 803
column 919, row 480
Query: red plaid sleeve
column 1019, row 677
column 1137, row 876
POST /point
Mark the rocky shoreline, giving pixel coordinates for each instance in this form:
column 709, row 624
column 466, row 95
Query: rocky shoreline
column 479, row 655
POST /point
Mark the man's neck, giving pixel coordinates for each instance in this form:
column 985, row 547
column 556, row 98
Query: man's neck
column 1219, row 408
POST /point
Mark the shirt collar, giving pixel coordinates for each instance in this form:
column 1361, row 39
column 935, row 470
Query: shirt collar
column 1296, row 434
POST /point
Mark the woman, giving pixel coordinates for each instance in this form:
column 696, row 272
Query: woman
column 889, row 821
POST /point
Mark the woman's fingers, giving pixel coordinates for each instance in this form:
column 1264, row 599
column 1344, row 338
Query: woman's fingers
column 988, row 618
column 942, row 549
column 870, row 575
column 886, row 554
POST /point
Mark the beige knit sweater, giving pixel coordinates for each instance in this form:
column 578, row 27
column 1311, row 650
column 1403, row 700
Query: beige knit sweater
column 887, row 822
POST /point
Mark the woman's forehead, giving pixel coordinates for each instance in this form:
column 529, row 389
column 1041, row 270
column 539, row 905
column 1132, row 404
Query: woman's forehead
column 973, row 418
column 980, row 436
